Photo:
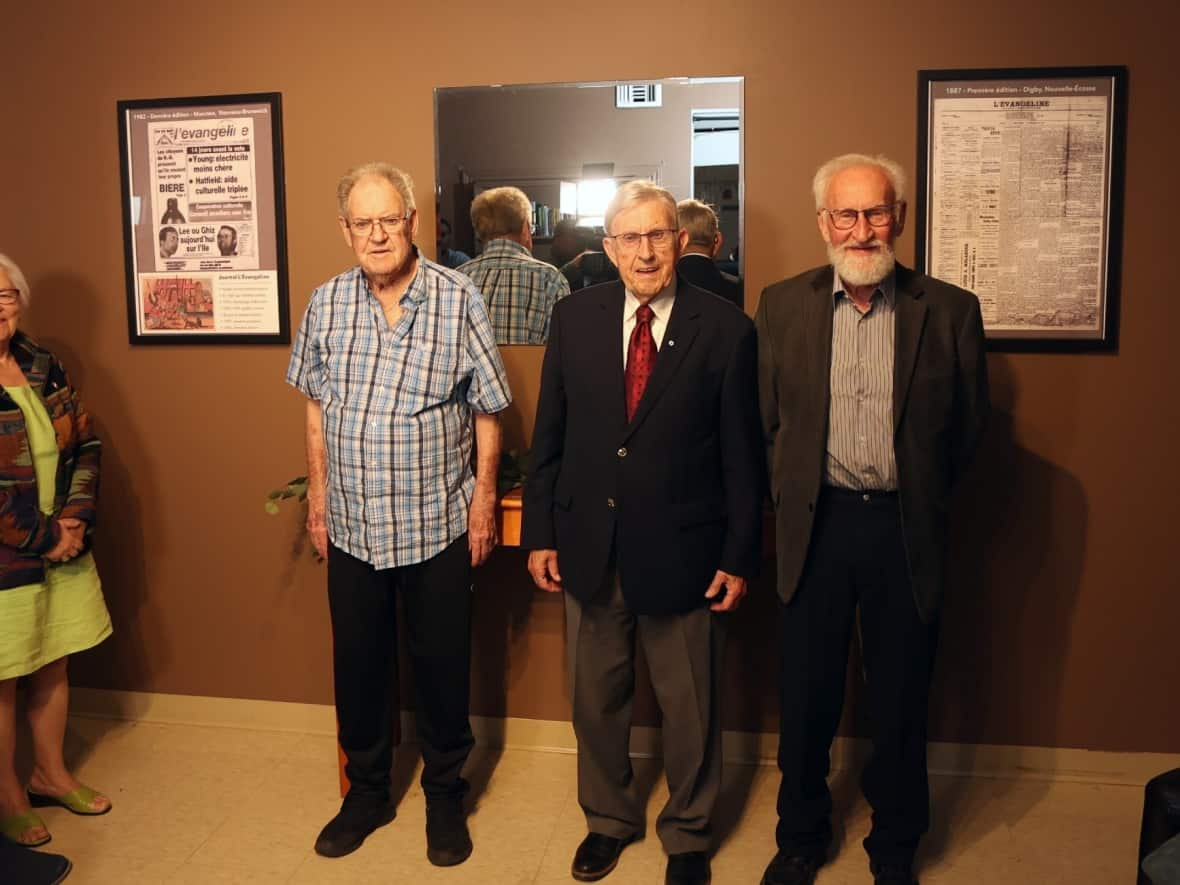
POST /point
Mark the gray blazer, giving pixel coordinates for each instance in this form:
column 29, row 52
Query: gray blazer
column 940, row 406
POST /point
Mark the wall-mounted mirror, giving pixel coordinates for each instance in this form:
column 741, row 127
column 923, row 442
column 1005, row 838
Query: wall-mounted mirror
column 567, row 146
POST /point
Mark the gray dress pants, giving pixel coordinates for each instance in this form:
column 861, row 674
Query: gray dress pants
column 684, row 653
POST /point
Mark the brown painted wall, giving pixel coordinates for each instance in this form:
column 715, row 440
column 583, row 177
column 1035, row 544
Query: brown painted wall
column 1061, row 626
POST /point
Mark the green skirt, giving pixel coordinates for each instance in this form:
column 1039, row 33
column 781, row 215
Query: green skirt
column 40, row 623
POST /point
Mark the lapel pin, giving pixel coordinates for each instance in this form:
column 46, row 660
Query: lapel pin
column 671, row 343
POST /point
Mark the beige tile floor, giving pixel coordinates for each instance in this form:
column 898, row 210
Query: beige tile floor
column 219, row 805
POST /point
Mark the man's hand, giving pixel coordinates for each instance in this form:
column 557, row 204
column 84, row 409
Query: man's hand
column 69, row 542
column 481, row 526
column 317, row 530
column 543, row 568
column 735, row 589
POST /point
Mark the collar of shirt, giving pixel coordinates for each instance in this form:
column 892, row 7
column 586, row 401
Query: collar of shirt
column 504, row 246
column 887, row 287
column 661, row 306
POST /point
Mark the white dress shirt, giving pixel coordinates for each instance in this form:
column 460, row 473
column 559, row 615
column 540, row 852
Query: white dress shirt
column 661, row 306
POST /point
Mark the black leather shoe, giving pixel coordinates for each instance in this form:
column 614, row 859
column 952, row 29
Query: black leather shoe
column 791, row 869
column 31, row 867
column 596, row 856
column 688, row 868
column 893, row 874
column 447, row 840
column 348, row 829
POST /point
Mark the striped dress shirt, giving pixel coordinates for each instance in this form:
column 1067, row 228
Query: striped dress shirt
column 520, row 291
column 397, row 409
column 860, row 415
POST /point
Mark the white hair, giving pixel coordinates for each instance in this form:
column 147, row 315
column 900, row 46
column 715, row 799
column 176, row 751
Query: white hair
column 11, row 268
column 824, row 175
column 401, row 181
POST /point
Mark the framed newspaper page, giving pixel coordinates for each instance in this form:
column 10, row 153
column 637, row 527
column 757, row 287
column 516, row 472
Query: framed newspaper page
column 204, row 220
column 1020, row 199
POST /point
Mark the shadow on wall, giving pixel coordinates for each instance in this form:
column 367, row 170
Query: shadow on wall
column 1018, row 533
column 124, row 480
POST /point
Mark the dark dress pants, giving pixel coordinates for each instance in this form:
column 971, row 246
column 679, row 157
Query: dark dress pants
column 856, row 561
column 683, row 653
column 436, row 600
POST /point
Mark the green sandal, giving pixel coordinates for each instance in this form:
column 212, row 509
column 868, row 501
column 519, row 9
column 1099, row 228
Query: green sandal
column 79, row 801
column 15, row 826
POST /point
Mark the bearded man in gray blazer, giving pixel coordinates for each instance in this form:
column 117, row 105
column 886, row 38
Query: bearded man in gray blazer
column 873, row 389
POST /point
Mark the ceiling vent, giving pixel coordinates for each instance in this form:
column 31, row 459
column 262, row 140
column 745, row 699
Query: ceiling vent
column 638, row 95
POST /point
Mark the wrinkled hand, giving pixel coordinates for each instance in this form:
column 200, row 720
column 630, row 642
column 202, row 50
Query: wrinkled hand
column 734, row 590
column 70, row 542
column 543, row 568
column 481, row 526
column 317, row 530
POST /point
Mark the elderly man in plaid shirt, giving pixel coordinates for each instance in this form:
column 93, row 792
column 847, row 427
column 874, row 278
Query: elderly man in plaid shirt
column 520, row 289
column 401, row 372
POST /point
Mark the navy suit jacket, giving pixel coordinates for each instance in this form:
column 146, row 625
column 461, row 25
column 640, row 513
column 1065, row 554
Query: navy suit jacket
column 674, row 494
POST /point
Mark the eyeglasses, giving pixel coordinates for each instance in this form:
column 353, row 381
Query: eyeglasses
column 9, row 296
column 363, row 227
column 876, row 216
column 661, row 238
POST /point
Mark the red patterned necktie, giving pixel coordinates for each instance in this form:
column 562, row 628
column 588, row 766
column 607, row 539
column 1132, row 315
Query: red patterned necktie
column 641, row 358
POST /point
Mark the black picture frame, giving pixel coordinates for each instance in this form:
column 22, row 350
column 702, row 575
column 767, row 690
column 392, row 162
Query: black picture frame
column 204, row 219
column 1058, row 122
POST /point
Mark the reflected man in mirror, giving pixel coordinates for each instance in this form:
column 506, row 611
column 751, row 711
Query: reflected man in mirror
column 644, row 505
column 520, row 290
column 447, row 256
column 697, row 264
column 401, row 372
column 874, row 395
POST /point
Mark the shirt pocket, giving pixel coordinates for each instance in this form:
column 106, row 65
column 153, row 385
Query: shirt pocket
column 429, row 377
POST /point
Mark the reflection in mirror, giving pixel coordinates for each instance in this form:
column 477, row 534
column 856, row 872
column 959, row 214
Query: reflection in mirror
column 564, row 148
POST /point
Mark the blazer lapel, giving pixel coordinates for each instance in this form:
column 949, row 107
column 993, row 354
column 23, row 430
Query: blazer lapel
column 910, row 315
column 683, row 326
column 610, row 333
column 817, row 325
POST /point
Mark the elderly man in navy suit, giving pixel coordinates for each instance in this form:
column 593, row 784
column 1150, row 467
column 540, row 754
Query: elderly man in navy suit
column 644, row 506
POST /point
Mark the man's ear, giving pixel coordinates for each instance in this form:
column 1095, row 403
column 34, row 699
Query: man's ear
column 900, row 225
column 717, row 241
column 344, row 230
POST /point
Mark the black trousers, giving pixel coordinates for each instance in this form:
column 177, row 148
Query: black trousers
column 856, row 561
column 436, row 599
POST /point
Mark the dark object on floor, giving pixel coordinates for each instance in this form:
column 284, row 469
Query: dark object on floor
column 24, row 866
column 1161, row 823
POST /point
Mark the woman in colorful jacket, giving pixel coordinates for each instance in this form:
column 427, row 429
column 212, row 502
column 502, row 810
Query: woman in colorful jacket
column 51, row 602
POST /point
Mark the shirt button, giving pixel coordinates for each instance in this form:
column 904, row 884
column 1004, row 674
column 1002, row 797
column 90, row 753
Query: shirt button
column 610, row 502
column 866, row 497
column 622, row 453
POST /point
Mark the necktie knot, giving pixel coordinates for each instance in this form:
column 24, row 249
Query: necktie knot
column 644, row 314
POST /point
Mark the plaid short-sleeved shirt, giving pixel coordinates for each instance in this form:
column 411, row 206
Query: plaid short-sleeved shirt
column 396, row 407
column 520, row 291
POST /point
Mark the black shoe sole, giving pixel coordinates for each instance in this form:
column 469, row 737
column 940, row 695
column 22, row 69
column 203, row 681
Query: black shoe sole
column 337, row 851
column 597, row 874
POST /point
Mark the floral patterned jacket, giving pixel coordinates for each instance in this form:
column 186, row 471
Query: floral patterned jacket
column 26, row 533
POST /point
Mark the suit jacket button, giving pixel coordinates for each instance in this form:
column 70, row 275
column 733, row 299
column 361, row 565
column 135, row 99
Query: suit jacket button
column 610, row 502
column 622, row 452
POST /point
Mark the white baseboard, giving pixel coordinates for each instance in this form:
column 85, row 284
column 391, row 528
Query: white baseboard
column 556, row 736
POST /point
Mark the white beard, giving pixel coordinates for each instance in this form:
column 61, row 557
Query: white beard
column 855, row 269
